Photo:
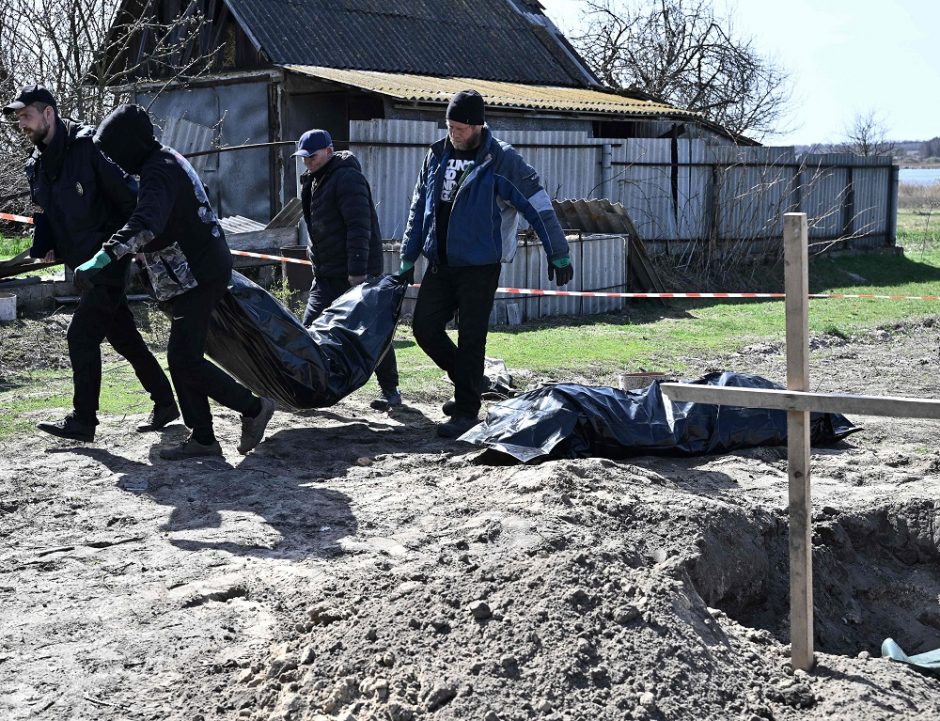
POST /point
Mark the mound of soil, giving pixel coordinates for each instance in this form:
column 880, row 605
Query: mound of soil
column 357, row 567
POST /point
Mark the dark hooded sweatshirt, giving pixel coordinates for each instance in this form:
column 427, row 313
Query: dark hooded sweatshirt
column 173, row 223
column 84, row 196
column 341, row 221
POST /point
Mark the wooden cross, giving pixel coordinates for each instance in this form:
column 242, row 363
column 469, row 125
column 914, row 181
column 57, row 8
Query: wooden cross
column 798, row 401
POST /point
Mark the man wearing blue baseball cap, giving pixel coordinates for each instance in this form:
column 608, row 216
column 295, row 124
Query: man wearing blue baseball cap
column 345, row 239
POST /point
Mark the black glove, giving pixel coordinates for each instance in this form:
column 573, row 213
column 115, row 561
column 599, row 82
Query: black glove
column 407, row 276
column 83, row 279
column 89, row 269
column 563, row 275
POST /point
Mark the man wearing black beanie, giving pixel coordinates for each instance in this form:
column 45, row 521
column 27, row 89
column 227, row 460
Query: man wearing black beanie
column 464, row 218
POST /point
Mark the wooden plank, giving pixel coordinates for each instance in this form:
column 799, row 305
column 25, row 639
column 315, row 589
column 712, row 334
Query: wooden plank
column 796, row 243
column 801, row 545
column 261, row 239
column 641, row 267
column 9, row 269
column 798, row 401
column 288, row 216
column 72, row 299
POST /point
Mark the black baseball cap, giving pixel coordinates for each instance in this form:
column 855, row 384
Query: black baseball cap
column 29, row 95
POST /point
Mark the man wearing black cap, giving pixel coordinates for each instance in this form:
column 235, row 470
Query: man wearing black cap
column 345, row 240
column 464, row 218
column 85, row 198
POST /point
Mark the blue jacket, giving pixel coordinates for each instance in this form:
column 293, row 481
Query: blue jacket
column 485, row 217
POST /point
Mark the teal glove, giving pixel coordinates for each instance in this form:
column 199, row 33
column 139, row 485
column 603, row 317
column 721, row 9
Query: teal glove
column 406, row 272
column 85, row 273
column 560, row 270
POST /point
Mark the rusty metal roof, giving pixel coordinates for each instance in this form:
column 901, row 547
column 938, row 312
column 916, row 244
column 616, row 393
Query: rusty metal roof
column 438, row 90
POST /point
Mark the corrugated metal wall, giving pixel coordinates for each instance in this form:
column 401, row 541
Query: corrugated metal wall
column 239, row 183
column 391, row 153
column 679, row 193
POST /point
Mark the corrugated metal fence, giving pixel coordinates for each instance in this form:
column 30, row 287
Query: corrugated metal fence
column 683, row 196
column 677, row 192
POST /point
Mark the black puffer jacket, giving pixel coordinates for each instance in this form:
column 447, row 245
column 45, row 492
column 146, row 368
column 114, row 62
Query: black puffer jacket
column 173, row 208
column 344, row 230
column 84, row 197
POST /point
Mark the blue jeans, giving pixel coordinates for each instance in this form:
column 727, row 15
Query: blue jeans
column 322, row 294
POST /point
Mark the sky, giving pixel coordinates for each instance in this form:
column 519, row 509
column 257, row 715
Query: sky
column 845, row 58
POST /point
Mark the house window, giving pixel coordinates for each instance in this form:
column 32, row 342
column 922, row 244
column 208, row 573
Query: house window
column 615, row 129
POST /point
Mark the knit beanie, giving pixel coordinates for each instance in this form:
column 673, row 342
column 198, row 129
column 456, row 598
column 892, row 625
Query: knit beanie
column 466, row 107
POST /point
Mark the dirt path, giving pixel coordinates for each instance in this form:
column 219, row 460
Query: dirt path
column 356, row 567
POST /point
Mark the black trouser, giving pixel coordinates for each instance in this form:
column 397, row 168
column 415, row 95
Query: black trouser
column 103, row 313
column 322, row 294
column 468, row 291
column 195, row 378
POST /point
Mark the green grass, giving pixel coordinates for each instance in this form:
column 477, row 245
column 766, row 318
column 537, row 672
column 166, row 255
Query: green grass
column 647, row 335
column 47, row 395
column 654, row 337
column 919, row 233
column 11, row 245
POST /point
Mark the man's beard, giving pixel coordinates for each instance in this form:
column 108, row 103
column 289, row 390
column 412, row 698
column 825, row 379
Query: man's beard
column 37, row 136
column 471, row 143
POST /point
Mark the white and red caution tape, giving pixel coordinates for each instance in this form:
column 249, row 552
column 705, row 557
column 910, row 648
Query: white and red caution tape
column 16, row 218
column 776, row 296
column 262, row 256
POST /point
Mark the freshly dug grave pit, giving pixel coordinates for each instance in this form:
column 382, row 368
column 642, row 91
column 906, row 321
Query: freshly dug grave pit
column 875, row 575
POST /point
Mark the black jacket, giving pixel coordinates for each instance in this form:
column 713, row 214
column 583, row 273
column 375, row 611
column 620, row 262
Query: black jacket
column 344, row 230
column 173, row 215
column 84, row 197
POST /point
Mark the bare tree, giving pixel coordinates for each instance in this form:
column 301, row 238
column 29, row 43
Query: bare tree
column 681, row 52
column 92, row 54
column 867, row 135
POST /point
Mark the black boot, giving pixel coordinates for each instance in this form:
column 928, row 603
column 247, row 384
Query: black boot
column 160, row 417
column 70, row 428
column 191, row 448
column 456, row 426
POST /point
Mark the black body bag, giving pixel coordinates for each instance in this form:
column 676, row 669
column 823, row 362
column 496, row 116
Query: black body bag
column 263, row 345
column 575, row 421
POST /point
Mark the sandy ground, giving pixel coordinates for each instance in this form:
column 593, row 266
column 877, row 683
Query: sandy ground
column 356, row 567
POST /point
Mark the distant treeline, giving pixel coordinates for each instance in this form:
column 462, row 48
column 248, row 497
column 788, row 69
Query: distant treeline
column 914, row 151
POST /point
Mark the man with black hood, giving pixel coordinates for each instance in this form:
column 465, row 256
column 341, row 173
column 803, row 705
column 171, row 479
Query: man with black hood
column 85, row 198
column 189, row 266
column 345, row 240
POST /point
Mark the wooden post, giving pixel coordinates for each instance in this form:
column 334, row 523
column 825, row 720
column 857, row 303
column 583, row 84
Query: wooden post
column 797, row 401
column 795, row 238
